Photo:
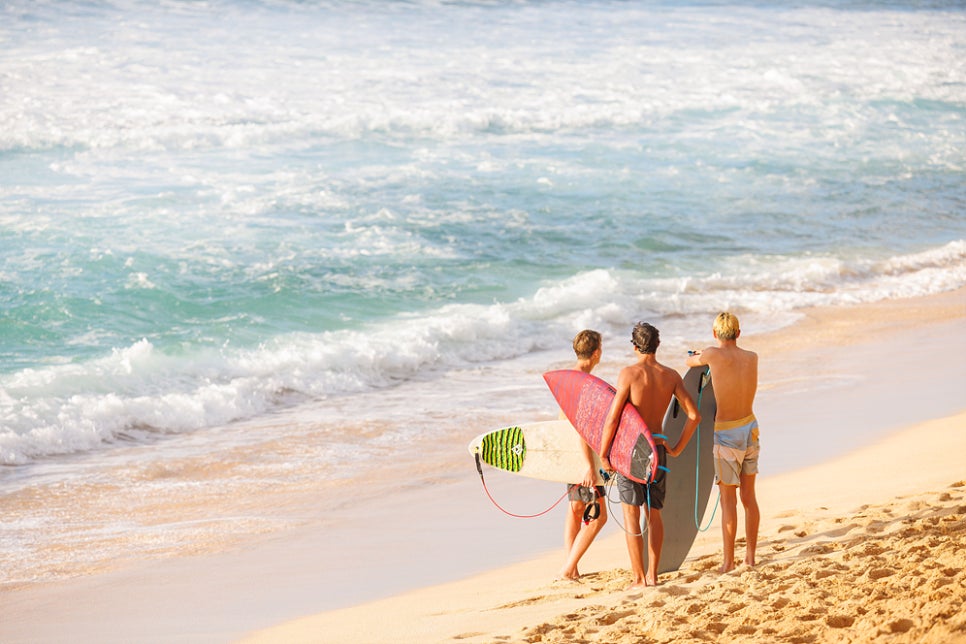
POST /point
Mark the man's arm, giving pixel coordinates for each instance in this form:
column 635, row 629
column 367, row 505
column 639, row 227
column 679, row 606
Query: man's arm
column 700, row 358
column 694, row 418
column 613, row 420
column 590, row 477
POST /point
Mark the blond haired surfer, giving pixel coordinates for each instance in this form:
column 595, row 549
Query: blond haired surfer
column 584, row 496
column 649, row 386
column 735, row 374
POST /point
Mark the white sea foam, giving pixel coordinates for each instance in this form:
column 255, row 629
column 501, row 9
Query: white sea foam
column 472, row 82
column 138, row 390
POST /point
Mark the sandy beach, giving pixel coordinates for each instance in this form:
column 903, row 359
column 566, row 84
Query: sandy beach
column 865, row 558
column 862, row 546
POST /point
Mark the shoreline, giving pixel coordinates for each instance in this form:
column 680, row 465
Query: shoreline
column 520, row 603
column 860, row 529
column 212, row 597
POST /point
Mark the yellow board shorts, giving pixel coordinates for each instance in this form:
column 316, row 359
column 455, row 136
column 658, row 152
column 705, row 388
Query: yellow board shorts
column 735, row 449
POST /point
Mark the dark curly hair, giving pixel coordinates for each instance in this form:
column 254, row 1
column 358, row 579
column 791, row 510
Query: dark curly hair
column 645, row 337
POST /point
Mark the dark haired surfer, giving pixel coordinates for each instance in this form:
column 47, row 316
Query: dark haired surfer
column 648, row 385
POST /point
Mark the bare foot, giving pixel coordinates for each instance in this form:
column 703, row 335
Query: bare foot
column 638, row 585
column 750, row 562
column 563, row 575
column 726, row 568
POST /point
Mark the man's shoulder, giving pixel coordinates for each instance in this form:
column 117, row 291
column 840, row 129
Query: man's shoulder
column 668, row 374
column 666, row 369
column 630, row 371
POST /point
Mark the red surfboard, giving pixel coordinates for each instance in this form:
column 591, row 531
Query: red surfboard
column 585, row 399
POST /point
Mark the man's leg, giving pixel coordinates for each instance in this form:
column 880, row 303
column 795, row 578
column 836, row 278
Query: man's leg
column 729, row 524
column 582, row 542
column 752, row 517
column 655, row 540
column 572, row 524
column 635, row 543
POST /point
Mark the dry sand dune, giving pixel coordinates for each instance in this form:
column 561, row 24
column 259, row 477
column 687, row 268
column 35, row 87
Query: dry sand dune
column 894, row 571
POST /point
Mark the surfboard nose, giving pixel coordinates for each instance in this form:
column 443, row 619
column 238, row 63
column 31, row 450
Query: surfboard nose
column 476, row 445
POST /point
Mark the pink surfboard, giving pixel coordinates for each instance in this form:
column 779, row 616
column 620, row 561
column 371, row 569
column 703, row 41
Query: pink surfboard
column 585, row 399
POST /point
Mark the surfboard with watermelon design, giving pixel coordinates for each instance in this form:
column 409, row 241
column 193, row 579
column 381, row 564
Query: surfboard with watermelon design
column 548, row 450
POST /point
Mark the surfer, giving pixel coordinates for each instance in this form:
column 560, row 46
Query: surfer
column 585, row 505
column 649, row 386
column 735, row 374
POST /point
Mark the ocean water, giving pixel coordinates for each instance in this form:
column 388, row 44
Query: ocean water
column 356, row 229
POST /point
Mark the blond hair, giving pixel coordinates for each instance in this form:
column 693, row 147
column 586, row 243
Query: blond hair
column 726, row 326
column 585, row 343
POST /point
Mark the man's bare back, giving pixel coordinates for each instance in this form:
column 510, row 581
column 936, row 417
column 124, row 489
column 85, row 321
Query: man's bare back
column 735, row 372
column 650, row 386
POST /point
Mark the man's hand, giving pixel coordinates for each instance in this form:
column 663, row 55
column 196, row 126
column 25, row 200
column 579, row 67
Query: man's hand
column 605, row 464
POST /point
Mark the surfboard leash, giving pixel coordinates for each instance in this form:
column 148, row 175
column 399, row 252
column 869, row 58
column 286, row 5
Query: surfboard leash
column 646, row 515
column 479, row 468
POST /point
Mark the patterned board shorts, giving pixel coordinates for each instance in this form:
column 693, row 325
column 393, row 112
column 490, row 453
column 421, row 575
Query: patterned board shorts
column 736, row 449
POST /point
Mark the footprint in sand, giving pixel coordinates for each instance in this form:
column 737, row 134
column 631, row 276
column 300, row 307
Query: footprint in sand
column 523, row 602
column 901, row 626
column 611, row 618
column 704, row 563
column 881, row 573
column 818, row 549
column 674, row 591
column 839, row 621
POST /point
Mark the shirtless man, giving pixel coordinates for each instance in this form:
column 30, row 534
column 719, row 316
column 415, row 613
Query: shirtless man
column 583, row 495
column 735, row 374
column 648, row 385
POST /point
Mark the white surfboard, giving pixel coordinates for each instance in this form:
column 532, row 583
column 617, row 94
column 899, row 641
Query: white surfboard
column 548, row 450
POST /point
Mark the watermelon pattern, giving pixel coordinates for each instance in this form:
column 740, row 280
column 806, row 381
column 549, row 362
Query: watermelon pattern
column 504, row 449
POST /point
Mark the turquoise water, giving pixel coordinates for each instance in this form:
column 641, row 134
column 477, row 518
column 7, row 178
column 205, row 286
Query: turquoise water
column 210, row 212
